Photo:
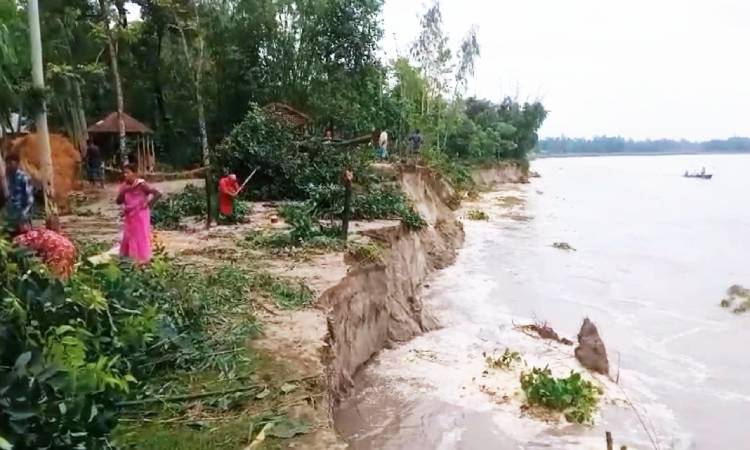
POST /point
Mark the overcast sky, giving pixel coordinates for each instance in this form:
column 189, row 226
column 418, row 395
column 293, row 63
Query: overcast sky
column 636, row 68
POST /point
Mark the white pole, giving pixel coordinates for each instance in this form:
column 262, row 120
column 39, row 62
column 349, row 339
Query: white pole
column 42, row 133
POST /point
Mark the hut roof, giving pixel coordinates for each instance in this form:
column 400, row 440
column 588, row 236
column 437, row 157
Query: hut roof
column 286, row 114
column 109, row 125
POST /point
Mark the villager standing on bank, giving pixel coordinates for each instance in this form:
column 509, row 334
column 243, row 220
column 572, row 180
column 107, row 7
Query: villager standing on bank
column 55, row 250
column 383, row 145
column 228, row 191
column 20, row 196
column 94, row 164
column 415, row 142
column 136, row 198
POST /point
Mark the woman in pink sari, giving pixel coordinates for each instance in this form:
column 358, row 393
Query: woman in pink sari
column 136, row 197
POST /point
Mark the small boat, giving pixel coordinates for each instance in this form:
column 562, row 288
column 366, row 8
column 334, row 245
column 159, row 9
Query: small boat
column 705, row 176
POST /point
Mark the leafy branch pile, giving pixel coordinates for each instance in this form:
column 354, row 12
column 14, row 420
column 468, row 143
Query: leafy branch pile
column 168, row 212
column 72, row 351
column 575, row 397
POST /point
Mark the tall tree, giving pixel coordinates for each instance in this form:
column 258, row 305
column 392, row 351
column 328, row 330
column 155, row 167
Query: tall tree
column 195, row 54
column 37, row 74
column 116, row 81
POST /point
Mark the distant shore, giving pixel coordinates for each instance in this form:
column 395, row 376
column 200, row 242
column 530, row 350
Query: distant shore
column 596, row 154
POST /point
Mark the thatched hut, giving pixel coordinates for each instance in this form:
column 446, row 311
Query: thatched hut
column 106, row 134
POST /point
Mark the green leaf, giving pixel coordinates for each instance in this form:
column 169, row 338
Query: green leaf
column 5, row 445
column 287, row 428
column 21, row 362
column 288, row 387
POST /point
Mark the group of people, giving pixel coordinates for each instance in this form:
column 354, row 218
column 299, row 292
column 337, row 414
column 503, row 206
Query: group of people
column 380, row 142
column 135, row 197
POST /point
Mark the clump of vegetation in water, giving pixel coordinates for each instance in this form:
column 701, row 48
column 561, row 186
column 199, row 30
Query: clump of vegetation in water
column 575, row 397
column 738, row 298
column 504, row 361
column 476, row 214
column 563, row 246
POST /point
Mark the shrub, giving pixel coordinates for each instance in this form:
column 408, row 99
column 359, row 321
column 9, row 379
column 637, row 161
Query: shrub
column 575, row 397
column 168, row 211
column 454, row 171
column 504, row 361
column 367, row 253
column 71, row 350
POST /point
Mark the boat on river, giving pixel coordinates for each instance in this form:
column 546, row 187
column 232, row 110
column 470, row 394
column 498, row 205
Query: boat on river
column 705, row 176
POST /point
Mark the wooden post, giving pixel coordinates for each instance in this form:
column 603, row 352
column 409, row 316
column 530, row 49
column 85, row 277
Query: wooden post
column 346, row 179
column 608, row 436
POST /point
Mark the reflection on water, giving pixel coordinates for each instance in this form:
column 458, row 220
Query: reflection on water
column 655, row 254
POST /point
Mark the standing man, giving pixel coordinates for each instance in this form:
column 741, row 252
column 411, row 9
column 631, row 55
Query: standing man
column 20, row 196
column 415, row 142
column 228, row 191
column 383, row 145
column 94, row 163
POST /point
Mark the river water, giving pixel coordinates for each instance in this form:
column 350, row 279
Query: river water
column 656, row 253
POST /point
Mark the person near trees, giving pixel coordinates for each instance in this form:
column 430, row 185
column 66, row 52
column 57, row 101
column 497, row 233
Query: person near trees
column 328, row 135
column 94, row 163
column 20, row 196
column 415, row 142
column 383, row 144
column 136, row 197
column 228, row 191
column 54, row 249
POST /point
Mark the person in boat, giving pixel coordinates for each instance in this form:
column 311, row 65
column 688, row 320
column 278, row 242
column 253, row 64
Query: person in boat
column 703, row 171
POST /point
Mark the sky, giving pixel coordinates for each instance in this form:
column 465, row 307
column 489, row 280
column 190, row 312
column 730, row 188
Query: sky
column 643, row 69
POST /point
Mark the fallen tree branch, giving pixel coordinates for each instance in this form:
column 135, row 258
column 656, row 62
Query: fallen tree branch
column 181, row 398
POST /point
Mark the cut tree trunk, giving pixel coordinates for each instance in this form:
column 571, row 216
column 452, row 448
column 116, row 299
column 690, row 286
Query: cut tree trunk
column 37, row 74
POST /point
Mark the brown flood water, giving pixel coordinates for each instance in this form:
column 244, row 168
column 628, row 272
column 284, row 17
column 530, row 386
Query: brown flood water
column 655, row 255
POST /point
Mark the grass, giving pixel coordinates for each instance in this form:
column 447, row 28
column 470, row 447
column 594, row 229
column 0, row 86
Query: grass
column 365, row 253
column 573, row 396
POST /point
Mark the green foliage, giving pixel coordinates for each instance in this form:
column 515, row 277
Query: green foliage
column 168, row 211
column 476, row 214
column 73, row 349
column 455, row 171
column 504, row 361
column 575, row 397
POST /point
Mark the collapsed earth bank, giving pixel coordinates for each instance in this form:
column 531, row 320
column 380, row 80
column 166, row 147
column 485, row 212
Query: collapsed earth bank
column 374, row 304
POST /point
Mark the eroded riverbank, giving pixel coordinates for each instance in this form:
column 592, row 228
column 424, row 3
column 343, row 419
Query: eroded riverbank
column 641, row 273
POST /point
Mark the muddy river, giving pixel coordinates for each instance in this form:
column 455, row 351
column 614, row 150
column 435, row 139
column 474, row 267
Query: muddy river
column 655, row 255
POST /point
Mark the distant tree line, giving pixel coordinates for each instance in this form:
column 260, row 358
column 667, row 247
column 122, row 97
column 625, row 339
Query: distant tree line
column 606, row 144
